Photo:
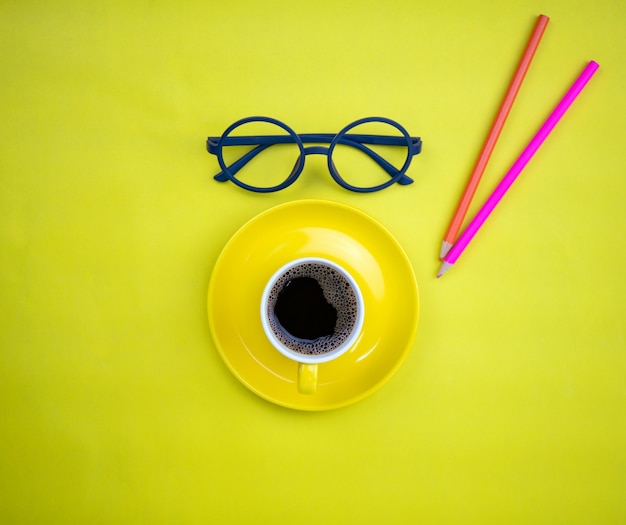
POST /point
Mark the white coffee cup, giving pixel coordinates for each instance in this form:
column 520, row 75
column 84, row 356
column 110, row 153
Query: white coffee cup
column 305, row 292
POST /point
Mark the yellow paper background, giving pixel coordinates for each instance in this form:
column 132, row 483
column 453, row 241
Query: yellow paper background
column 114, row 404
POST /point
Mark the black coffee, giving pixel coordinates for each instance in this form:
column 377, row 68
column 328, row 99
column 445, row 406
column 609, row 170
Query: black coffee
column 303, row 311
column 312, row 308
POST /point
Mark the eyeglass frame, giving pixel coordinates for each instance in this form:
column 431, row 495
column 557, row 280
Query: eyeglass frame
column 215, row 145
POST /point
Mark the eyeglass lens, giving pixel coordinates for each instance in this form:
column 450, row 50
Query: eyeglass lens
column 270, row 164
column 361, row 166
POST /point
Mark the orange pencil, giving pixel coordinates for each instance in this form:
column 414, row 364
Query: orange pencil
column 494, row 133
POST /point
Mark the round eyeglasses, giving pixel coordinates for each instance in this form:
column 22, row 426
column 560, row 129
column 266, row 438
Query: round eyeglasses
column 262, row 154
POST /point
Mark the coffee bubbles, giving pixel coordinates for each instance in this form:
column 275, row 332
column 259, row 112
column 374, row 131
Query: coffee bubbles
column 312, row 308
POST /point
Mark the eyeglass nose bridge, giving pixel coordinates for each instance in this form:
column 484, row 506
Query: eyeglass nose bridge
column 316, row 150
column 299, row 165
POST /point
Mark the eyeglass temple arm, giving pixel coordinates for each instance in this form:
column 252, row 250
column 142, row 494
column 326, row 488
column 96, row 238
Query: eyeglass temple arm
column 391, row 170
column 237, row 165
column 254, row 140
column 353, row 140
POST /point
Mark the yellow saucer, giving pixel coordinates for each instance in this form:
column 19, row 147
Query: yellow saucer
column 342, row 234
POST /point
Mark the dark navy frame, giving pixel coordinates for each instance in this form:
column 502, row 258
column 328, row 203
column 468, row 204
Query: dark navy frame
column 215, row 145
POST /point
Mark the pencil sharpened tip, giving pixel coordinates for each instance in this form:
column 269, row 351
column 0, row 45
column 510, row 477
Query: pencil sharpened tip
column 445, row 266
column 445, row 248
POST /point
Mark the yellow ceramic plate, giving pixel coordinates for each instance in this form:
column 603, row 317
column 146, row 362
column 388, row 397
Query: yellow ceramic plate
column 342, row 234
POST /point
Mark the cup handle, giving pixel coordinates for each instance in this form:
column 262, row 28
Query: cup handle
column 307, row 378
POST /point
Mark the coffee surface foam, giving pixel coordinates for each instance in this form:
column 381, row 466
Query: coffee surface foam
column 337, row 291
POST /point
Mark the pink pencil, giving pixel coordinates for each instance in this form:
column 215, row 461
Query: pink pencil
column 528, row 153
